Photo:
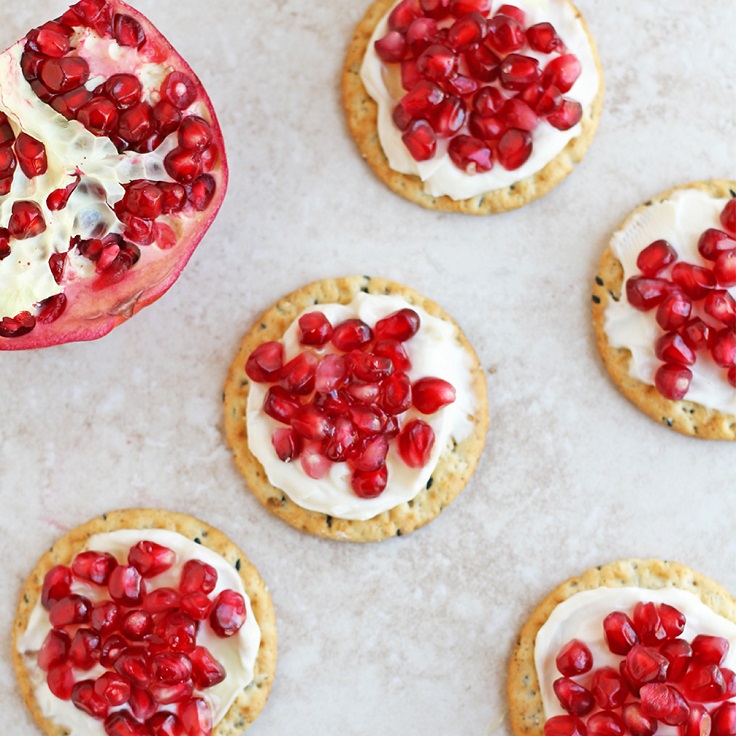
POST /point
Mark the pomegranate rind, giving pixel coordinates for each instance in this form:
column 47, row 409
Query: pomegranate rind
column 251, row 700
column 453, row 471
column 526, row 711
column 684, row 416
column 362, row 118
column 93, row 313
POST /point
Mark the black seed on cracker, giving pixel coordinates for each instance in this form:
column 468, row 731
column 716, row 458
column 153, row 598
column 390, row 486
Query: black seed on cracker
column 328, row 520
column 599, row 280
column 197, row 540
column 596, row 299
column 429, row 482
column 237, row 564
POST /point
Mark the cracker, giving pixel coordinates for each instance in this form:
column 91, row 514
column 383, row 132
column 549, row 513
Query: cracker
column 455, row 465
column 525, row 702
column 686, row 417
column 249, row 703
column 362, row 115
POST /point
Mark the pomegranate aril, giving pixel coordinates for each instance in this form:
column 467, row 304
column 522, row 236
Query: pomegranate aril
column 401, row 326
column 339, row 446
column 729, row 677
column 126, row 585
column 435, row 8
column 265, row 363
column 695, row 281
column 280, row 404
column 619, row 632
column 698, row 722
column 84, row 651
column 287, row 444
column 543, row 37
column 137, row 123
column 664, row 703
column 573, row 697
column 713, row 242
column 574, row 658
column 549, row 101
column 228, row 614
column 196, row 717
column 50, row 39
column 141, row 703
column 197, row 605
column 672, row 348
column 144, row 199
column 31, row 155
column 725, row 268
column 673, row 381
column 17, row 326
column 679, row 655
column 136, row 625
column 134, row 664
column 60, row 681
column 314, row 463
column 73, row 609
column 723, row 352
column 720, row 305
column 179, row 90
column 367, row 367
column 672, row 620
column 482, row 63
column 332, row 374
column 183, row 165
column 396, row 394
column 472, row 155
column 54, row 651
column 505, row 34
column 704, row 682
column 566, row 116
column 487, row 101
column 635, row 720
column 608, row 688
column 674, row 310
column 655, row 258
column 430, row 394
column 150, row 558
column 403, row 14
column 416, row 440
column 395, row 351
column 121, row 723
column 5, row 250
column 197, row 576
column 519, row 71
column 165, row 724
column 351, row 334
column 178, row 630
column 171, row 667
column 167, row 693
column 420, row 34
column 99, row 116
column 85, row 698
column 26, row 220
column 167, row 117
column 94, row 566
column 315, row 329
column 195, row 133
column 647, row 622
column 112, row 688
column 128, row 31
column 728, row 217
column 391, row 47
column 514, row 148
column 437, row 63
column 486, row 128
column 105, row 617
column 312, row 423
column 206, row 670
column 564, row 726
column 605, row 723
column 563, row 71
column 709, row 649
column 124, row 90
column 298, row 375
column 448, row 117
column 369, row 484
column 420, row 140
column 467, row 31
column 517, row 114
column 57, row 584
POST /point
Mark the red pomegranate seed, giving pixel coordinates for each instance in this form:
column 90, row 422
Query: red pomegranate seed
column 704, row 682
column 160, row 600
column 673, row 381
column 448, row 117
column 401, row 326
column 392, row 47
column 17, row 326
column 605, row 723
column 368, row 367
column 369, row 484
column 314, row 463
column 635, row 720
column 179, row 90
column 137, row 123
column 396, row 396
column 105, row 617
column 57, row 584
column 723, row 352
column 543, row 37
column 167, row 693
column 136, row 625
column 369, row 419
column 647, row 622
column 674, row 310
column 298, row 375
column 709, row 649
column 112, row 688
column 664, row 703
column 549, row 101
column 312, row 423
column 514, row 148
column 698, row 722
column 280, row 404
column 395, row 351
column 573, row 697
column 265, row 363
column 513, row 12
column 99, row 116
column 482, row 63
column 183, row 165
column 488, row 101
column 563, row 71
column 26, row 220
column 73, row 609
column 672, row 348
column 431, row 394
column 287, row 444
column 206, row 670
column 608, row 688
column 519, row 71
column 126, row 585
column 517, row 114
column 728, row 217
column 724, row 268
column 134, row 664
column 5, row 252
column 351, row 334
column 65, row 74
column 679, row 655
column 672, row 620
column 60, row 681
column 51, row 39
column 713, row 242
column 171, row 667
column 121, row 723
column 505, row 34
column 315, row 329
column 196, row 717
column 332, row 374
column 83, row 695
column 54, row 650
column 729, row 676
column 84, row 651
column 720, row 305
column 142, row 703
column 165, row 724
column 228, row 614
column 124, row 90
column 128, row 31
column 655, row 258
column 574, row 659
column 178, row 630
column 370, row 454
column 620, row 633
column 564, row 726
column 94, row 566
column 420, row 140
column 566, row 116
column 111, row 649
column 437, row 63
column 167, row 117
column 401, row 117
column 420, row 34
column 472, row 155
column 197, row 605
column 467, row 31
column 486, row 128
column 340, row 445
column 195, row 133
column 416, row 440
column 31, row 155
column 403, row 14
column 151, row 559
column 144, row 199
column 435, row 8
column 695, row 281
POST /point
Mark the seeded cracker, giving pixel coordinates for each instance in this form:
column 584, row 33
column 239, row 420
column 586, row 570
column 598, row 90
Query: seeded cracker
column 456, row 464
column 525, row 702
column 683, row 416
column 251, row 700
column 362, row 121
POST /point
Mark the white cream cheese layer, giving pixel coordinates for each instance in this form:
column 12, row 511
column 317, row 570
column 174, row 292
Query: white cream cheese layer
column 433, row 351
column 237, row 653
column 681, row 220
column 439, row 174
column 581, row 617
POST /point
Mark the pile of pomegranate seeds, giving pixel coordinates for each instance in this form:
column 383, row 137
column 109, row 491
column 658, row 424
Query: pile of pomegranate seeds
column 144, row 637
column 343, row 400
column 661, row 679
column 695, row 308
column 469, row 79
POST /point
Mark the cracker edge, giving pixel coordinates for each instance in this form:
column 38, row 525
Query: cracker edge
column 454, row 469
column 525, row 701
column 686, row 417
column 362, row 115
column 249, row 703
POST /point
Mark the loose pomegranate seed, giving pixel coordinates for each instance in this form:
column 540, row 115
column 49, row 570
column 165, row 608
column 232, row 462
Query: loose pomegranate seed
column 679, row 655
column 112, row 688
column 605, row 723
column 54, row 650
column 396, row 396
column 655, row 258
column 178, row 630
column 566, row 116
column 196, row 717
column 514, row 148
column 57, row 584
column 369, row 484
column 171, row 667
column 315, row 329
column 94, row 566
column 280, row 404
column 519, row 71
column 31, row 155
column 298, row 375
column 674, row 310
column 166, row 694
column 673, row 381
column 105, row 617
column 543, row 37
column 620, row 632
column 437, row 63
column 420, row 34
column 83, row 695
column 265, row 363
column 141, row 703
column 73, row 609
column 136, row 625
column 647, row 622
column 723, row 352
column 84, row 651
column 725, row 268
column 165, row 724
column 121, row 723
column 99, row 116
column 17, row 326
column 448, row 117
column 698, row 722
column 311, row 423
column 563, row 71
column 672, row 620
column 332, row 374
column 401, row 326
column 709, row 649
column 314, row 463
column 396, row 352
column 549, row 102
column 435, row 8
column 470, row 154
column 420, row 140
column 183, row 165
column 351, row 334
column 392, row 47
column 111, row 649
column 638, row 723
column 370, row 454
column 573, row 697
column 720, row 305
column 179, row 90
column 60, row 681
column 713, row 242
column 459, row 8
column 197, row 605
column 672, row 348
column 340, row 445
column 467, row 31
column 206, row 670
column 729, row 677
column 228, row 614
column 482, row 63
column 151, row 559
column 488, row 101
column 517, row 114
column 608, row 688
column 486, row 128
column 416, row 440
column 704, row 682
column 695, row 281
column 134, row 664
column 126, row 585
column 574, row 659
column 287, row 444
column 367, row 367
column 26, row 220
column 664, row 703
column 564, row 726
column 431, row 394
column 728, row 217
column 505, row 35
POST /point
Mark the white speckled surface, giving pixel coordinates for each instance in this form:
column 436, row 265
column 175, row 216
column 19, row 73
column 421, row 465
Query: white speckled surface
column 411, row 635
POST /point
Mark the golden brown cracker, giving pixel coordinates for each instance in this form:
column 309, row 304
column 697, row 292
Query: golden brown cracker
column 251, row 700
column 525, row 702
column 362, row 115
column 455, row 466
column 686, row 417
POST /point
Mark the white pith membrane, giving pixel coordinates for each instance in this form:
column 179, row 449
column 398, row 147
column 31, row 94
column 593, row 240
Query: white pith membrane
column 680, row 220
column 433, row 351
column 581, row 617
column 74, row 153
column 439, row 174
column 237, row 653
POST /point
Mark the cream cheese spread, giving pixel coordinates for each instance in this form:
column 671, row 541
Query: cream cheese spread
column 237, row 654
column 681, row 220
column 581, row 617
column 433, row 351
column 439, row 174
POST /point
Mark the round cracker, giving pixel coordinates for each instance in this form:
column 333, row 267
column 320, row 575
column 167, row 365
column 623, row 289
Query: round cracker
column 683, row 416
column 362, row 116
column 455, row 466
column 249, row 703
column 525, row 701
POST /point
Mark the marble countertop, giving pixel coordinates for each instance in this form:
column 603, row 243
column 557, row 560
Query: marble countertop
column 411, row 635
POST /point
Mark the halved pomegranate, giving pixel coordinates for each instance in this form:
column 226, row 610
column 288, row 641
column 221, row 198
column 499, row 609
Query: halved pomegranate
column 112, row 167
